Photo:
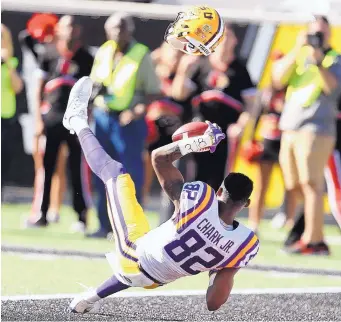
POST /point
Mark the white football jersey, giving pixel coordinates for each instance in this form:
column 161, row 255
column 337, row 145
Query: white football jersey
column 195, row 240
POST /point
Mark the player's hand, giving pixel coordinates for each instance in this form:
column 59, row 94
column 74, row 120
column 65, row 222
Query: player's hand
column 214, row 131
column 126, row 117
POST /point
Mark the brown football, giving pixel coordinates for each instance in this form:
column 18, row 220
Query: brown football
column 189, row 130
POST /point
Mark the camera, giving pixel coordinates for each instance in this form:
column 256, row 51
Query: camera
column 316, row 40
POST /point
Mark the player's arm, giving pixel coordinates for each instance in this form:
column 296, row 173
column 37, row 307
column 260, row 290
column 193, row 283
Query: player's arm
column 219, row 288
column 170, row 178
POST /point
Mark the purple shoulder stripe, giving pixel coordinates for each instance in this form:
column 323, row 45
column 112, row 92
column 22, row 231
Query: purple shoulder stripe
column 188, row 211
column 247, row 253
column 247, row 240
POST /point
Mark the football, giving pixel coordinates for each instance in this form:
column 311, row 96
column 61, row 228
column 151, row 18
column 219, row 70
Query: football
column 189, row 130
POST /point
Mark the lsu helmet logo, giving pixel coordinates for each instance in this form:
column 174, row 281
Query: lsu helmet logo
column 197, row 31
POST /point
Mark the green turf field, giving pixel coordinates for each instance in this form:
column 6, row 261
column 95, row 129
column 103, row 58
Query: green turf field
column 49, row 274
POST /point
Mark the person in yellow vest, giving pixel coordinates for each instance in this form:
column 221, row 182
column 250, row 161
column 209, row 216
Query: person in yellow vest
column 312, row 74
column 11, row 84
column 126, row 82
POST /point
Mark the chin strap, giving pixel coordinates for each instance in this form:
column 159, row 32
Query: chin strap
column 188, row 45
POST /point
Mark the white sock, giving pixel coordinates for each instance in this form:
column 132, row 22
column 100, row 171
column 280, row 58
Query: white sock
column 78, row 124
column 92, row 296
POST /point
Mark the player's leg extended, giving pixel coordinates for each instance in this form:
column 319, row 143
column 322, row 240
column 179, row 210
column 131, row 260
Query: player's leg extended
column 127, row 217
column 125, row 213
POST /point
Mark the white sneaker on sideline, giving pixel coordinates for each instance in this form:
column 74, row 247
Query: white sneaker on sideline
column 279, row 220
column 83, row 303
column 78, row 101
column 53, row 217
column 78, row 227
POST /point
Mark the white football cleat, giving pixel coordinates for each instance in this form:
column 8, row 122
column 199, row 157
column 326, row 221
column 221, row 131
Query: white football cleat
column 84, row 303
column 78, row 101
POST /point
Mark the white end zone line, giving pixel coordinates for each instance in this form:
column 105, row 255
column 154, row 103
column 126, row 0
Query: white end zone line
column 315, row 290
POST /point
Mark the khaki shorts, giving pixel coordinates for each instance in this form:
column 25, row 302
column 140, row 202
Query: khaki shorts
column 303, row 156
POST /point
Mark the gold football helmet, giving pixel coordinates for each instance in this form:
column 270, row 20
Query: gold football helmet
column 197, row 31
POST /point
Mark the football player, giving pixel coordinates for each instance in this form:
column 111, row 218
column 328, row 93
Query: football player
column 202, row 235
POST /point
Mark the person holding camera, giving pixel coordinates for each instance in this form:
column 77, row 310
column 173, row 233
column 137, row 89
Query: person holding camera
column 312, row 74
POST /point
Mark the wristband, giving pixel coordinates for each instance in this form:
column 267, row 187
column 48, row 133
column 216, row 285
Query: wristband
column 196, row 144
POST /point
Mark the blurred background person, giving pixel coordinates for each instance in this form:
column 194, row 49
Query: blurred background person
column 39, row 38
column 126, row 82
column 163, row 118
column 332, row 174
column 11, row 84
column 225, row 91
column 312, row 72
column 59, row 70
column 265, row 153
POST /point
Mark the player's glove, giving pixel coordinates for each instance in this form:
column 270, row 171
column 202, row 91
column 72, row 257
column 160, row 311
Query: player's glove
column 214, row 131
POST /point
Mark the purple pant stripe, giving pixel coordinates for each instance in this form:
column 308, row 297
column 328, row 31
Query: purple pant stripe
column 183, row 214
column 238, row 250
column 199, row 214
column 247, row 253
column 122, row 221
column 106, row 168
column 99, row 161
column 117, row 236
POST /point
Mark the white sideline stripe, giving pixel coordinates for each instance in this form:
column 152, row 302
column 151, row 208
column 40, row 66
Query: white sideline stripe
column 315, row 290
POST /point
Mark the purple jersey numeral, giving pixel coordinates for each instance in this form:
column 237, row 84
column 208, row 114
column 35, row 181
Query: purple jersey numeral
column 217, row 258
column 185, row 247
column 188, row 244
column 191, row 190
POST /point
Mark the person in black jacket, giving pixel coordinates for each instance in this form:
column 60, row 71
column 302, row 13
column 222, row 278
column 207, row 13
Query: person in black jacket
column 37, row 39
column 59, row 70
